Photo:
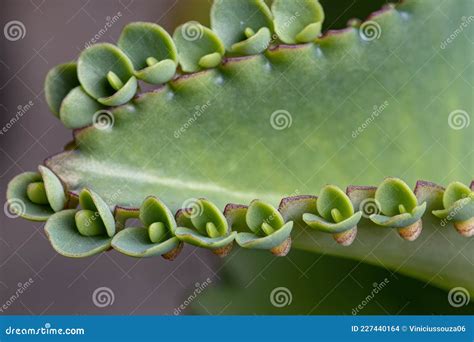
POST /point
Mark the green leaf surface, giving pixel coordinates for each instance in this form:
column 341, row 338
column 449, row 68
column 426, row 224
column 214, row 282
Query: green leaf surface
column 90, row 200
column 321, row 224
column 331, row 197
column 232, row 153
column 54, row 189
column 249, row 240
column 136, row 243
column 93, row 66
column 230, row 19
column 142, row 40
column 297, row 21
column 59, row 81
column 392, row 194
column 18, row 202
column 153, row 210
column 196, row 45
column 78, row 109
column 206, row 212
column 400, row 220
column 66, row 240
column 454, row 192
column 259, row 213
column 194, row 238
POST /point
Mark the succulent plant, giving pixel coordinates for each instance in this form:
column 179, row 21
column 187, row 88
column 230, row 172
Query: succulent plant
column 458, row 203
column 336, row 215
column 84, row 232
column 156, row 238
column 399, row 208
column 268, row 229
column 239, row 116
column 205, row 226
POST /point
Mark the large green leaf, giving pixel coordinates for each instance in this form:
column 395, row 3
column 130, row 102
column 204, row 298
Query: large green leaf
column 296, row 118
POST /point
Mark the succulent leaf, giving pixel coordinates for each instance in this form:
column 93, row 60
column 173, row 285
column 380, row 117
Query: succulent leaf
column 319, row 223
column 394, row 194
column 194, row 238
column 91, row 201
column 151, row 50
column 243, row 26
column 455, row 192
column 136, row 242
column 17, row 193
column 269, row 230
column 99, row 64
column 198, row 47
column 89, row 223
column 260, row 213
column 206, row 212
column 400, row 220
column 250, row 240
column 54, row 189
column 36, row 196
column 335, row 215
column 78, row 109
column 154, row 210
column 65, row 238
column 297, row 21
column 59, row 82
column 458, row 202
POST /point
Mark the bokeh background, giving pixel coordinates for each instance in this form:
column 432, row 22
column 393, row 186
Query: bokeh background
column 55, row 31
